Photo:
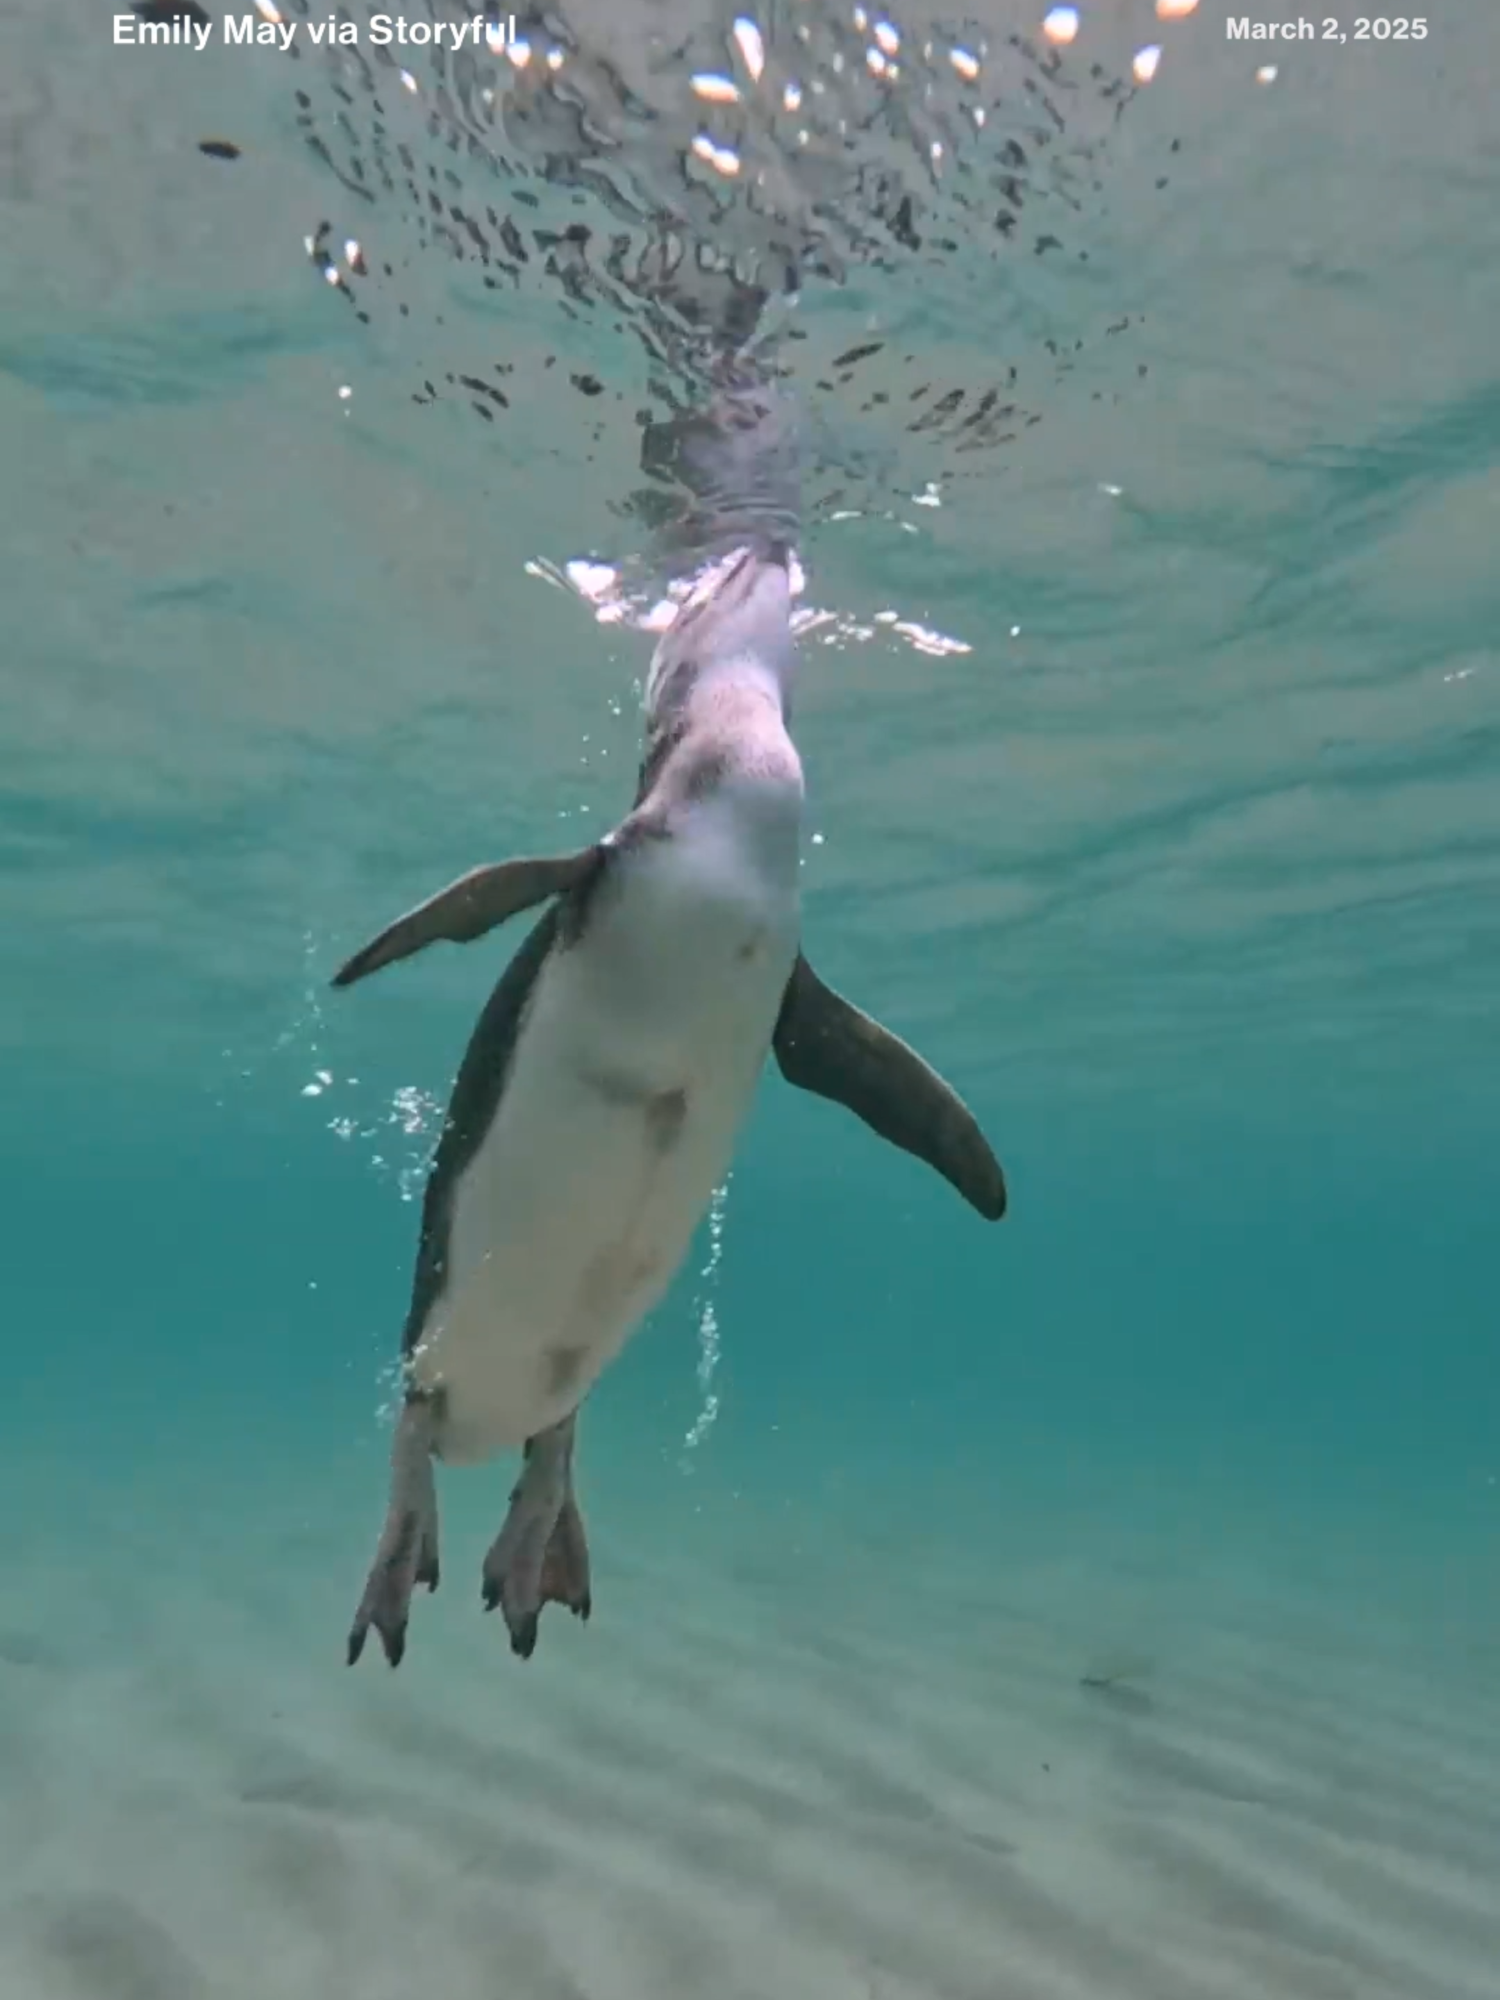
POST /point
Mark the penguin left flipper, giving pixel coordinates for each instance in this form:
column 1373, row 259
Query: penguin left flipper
column 826, row 1046
column 472, row 905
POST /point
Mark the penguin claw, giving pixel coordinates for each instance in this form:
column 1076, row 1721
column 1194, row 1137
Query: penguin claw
column 407, row 1556
column 541, row 1555
column 394, row 1643
column 522, row 1574
column 521, row 1625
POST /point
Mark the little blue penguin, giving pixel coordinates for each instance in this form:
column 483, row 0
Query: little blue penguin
column 598, row 1102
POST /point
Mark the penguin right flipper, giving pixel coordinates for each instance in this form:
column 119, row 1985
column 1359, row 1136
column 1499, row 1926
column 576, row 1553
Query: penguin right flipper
column 826, row 1046
column 472, row 905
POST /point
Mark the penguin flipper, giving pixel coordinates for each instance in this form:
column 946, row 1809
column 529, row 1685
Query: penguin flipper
column 826, row 1046
column 472, row 905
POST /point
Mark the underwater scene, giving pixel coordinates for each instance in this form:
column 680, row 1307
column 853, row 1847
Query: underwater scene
column 750, row 998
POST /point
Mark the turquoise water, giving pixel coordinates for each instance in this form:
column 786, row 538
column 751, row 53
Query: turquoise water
column 1098, row 1604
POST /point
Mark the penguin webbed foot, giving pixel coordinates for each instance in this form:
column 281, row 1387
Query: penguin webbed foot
column 407, row 1553
column 541, row 1554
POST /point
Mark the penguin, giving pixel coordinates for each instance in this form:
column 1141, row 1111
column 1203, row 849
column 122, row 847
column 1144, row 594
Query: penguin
column 598, row 1102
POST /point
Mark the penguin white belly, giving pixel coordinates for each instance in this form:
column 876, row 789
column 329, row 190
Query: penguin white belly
column 631, row 1076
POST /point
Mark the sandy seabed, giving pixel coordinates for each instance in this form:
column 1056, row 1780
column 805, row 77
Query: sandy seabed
column 788, row 1760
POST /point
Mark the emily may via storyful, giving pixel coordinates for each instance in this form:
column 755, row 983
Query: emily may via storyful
column 258, row 31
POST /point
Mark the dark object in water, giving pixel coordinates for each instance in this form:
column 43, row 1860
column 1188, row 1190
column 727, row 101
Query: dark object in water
column 219, row 149
column 164, row 12
column 1117, row 1688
